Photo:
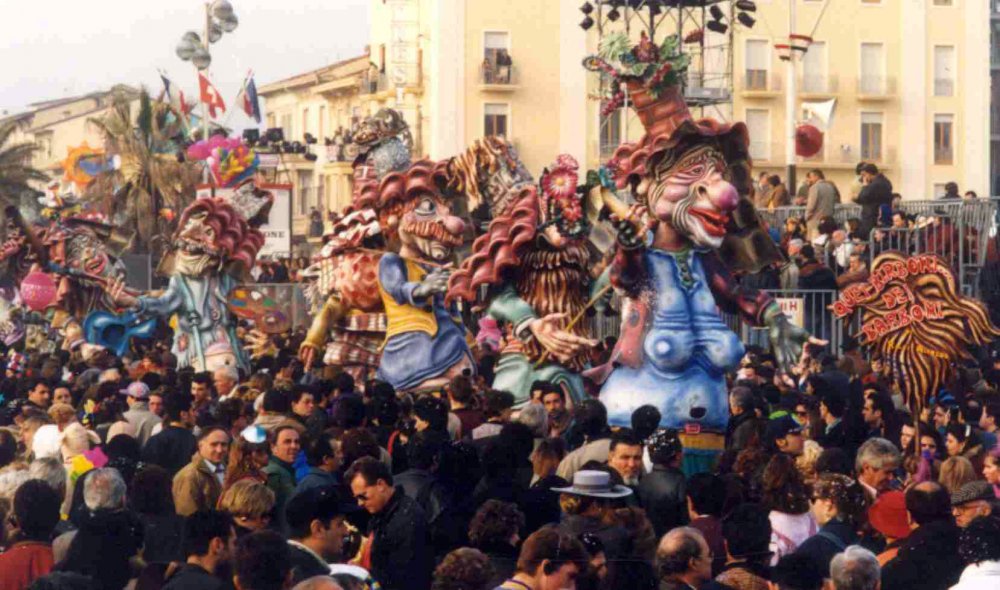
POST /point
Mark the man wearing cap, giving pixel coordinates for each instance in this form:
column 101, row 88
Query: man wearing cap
column 316, row 531
column 139, row 415
column 785, row 435
column 971, row 501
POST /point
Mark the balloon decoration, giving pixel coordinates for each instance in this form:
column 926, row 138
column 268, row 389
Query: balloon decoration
column 808, row 140
column 38, row 291
column 230, row 160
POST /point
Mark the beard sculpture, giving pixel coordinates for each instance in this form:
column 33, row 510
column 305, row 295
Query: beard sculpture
column 425, row 343
column 674, row 351
column 535, row 261
column 215, row 245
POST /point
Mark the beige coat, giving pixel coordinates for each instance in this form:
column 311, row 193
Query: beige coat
column 196, row 488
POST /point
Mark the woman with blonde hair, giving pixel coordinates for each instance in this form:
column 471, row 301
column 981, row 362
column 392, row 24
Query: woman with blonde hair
column 250, row 503
column 956, row 472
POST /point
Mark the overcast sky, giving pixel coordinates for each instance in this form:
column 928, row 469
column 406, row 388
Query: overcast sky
column 55, row 48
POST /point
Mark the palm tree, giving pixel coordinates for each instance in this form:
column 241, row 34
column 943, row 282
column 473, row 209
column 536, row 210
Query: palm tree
column 151, row 176
column 16, row 171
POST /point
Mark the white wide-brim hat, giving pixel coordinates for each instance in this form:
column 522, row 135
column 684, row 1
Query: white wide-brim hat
column 596, row 484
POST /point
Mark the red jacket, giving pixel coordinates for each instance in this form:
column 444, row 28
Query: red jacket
column 23, row 563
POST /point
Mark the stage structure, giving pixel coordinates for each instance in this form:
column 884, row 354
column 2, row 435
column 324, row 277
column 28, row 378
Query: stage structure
column 706, row 28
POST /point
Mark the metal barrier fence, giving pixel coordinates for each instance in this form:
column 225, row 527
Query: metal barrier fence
column 957, row 230
column 291, row 300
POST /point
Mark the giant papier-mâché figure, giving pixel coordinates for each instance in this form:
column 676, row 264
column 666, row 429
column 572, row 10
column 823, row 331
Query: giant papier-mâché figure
column 213, row 249
column 350, row 322
column 425, row 343
column 672, row 267
column 535, row 260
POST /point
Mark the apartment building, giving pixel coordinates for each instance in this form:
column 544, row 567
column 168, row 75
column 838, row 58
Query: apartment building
column 314, row 110
column 909, row 80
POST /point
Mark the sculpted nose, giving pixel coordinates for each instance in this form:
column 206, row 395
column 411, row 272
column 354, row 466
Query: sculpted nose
column 454, row 225
column 720, row 193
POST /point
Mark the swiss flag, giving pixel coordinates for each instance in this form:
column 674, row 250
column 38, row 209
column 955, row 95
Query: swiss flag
column 210, row 96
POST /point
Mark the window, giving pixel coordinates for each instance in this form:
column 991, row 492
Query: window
column 611, row 133
column 322, row 123
column 286, row 126
column 872, row 68
column 759, row 126
column 871, row 1
column 814, row 68
column 758, row 60
column 943, row 139
column 306, row 127
column 944, row 70
column 305, row 191
column 496, row 58
column 871, row 136
column 942, row 2
column 495, row 120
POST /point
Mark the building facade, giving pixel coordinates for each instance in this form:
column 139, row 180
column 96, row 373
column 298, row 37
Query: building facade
column 316, row 109
column 59, row 125
column 909, row 80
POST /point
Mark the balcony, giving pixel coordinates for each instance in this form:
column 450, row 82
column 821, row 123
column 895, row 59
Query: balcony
column 497, row 78
column 760, row 84
column 944, row 156
column 818, row 85
column 944, row 87
column 876, row 88
column 372, row 83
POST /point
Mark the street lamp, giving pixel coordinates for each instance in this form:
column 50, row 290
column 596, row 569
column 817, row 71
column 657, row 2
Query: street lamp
column 219, row 19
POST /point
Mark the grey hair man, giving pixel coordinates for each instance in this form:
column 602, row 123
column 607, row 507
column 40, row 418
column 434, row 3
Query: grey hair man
column 225, row 379
column 856, row 569
column 875, row 464
column 317, row 583
column 683, row 560
column 104, row 489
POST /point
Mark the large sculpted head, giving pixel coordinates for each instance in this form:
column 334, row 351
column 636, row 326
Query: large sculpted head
column 212, row 234
column 413, row 210
column 691, row 180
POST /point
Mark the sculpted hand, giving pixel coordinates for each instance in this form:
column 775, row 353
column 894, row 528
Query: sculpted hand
column 307, row 354
column 259, row 344
column 787, row 339
column 436, row 282
column 631, row 234
column 117, row 293
column 551, row 332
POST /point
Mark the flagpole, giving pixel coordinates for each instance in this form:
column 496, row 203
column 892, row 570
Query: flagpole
column 204, row 107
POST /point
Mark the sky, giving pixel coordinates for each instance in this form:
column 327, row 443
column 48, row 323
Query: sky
column 56, row 48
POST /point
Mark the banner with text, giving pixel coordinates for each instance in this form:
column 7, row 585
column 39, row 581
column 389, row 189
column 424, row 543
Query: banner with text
column 278, row 229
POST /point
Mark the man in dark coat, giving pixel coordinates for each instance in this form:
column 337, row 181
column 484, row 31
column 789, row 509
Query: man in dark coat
column 401, row 556
column 662, row 491
column 928, row 559
column 744, row 425
column 875, row 192
column 172, row 447
column 208, row 538
column 317, row 529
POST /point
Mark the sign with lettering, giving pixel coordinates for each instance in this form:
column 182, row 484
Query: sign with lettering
column 914, row 318
column 278, row 229
column 794, row 308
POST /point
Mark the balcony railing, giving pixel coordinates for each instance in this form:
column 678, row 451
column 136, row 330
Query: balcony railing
column 372, row 83
column 944, row 87
column 944, row 155
column 761, row 81
column 818, row 84
column 876, row 86
column 491, row 74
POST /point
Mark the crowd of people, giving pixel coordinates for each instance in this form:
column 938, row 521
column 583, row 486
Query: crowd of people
column 128, row 473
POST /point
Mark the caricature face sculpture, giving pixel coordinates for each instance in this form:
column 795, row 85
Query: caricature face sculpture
column 534, row 260
column 425, row 342
column 213, row 246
